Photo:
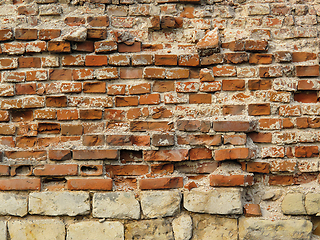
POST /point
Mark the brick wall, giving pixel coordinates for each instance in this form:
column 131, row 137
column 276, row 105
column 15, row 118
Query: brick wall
column 159, row 119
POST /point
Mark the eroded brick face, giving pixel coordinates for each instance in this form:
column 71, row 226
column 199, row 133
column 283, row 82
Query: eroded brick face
column 150, row 110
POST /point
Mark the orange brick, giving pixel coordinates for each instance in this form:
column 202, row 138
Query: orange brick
column 161, row 183
column 89, row 184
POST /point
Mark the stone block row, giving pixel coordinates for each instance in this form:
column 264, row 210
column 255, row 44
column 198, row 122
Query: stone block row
column 122, row 205
column 301, row 204
column 184, row 227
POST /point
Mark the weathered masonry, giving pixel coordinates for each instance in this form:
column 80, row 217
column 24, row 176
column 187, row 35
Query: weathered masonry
column 159, row 119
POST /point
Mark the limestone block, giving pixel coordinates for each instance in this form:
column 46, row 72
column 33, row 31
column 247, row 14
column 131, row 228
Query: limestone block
column 293, row 229
column 13, row 204
column 120, row 205
column 156, row 204
column 182, row 227
column 293, row 203
column 36, row 230
column 214, row 201
column 59, row 203
column 207, row 227
column 3, row 230
column 89, row 230
column 312, row 203
column 156, row 229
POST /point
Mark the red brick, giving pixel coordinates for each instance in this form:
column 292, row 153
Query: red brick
column 161, row 183
column 6, row 34
column 200, row 153
column 233, row 85
column 67, row 114
column 13, row 48
column 48, row 34
column 259, row 137
column 99, row 21
column 210, row 86
column 259, row 109
column 166, row 60
column 215, row 58
column 307, row 71
column 266, row 72
column 21, row 184
column 236, row 58
column 99, row 34
column 232, row 154
column 56, row 170
column 149, row 99
column 60, row 74
column 95, row 154
column 82, row 74
column 258, row 167
column 142, row 126
column 26, row 34
column 47, row 127
column 59, row 155
column 259, row 58
column 106, row 73
column 91, row 170
column 26, row 155
column 59, row 47
column 29, row 62
column 303, row 56
column 127, row 170
column 35, row 47
column 142, row 60
column 200, row 98
column 87, row 46
column 74, row 21
column 263, row 84
column 105, row 46
column 224, row 71
column 154, row 73
column 252, row 210
column 131, row 73
column 119, row 60
column 306, row 151
column 230, row 180
column 37, row 75
column 124, row 48
column 56, row 101
column 190, row 60
column 234, row 126
column 163, row 86
column 8, row 63
column 166, row 155
column 89, row 184
column 126, row 101
column 233, row 109
column 306, row 96
column 283, row 180
column 256, row 45
column 72, row 60
column 90, row 114
column 289, row 110
column 94, row 87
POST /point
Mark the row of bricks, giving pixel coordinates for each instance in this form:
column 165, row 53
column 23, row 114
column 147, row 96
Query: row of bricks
column 175, row 155
column 273, row 90
column 109, row 73
column 151, row 183
column 150, row 59
column 188, row 11
column 158, row 140
column 84, row 170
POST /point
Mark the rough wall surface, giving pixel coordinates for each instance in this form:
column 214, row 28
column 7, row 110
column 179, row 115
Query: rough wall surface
column 159, row 119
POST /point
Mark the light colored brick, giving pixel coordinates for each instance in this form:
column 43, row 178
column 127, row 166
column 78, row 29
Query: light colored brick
column 13, row 204
column 214, row 201
column 156, row 204
column 293, row 203
column 36, row 230
column 90, row 230
column 255, row 228
column 120, row 205
column 59, row 203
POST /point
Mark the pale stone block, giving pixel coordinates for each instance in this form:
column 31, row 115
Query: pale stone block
column 36, row 230
column 13, row 204
column 120, row 205
column 156, row 204
column 156, row 229
column 182, row 227
column 90, row 230
column 312, row 203
column 3, row 230
column 293, row 203
column 207, row 227
column 214, row 201
column 293, row 229
column 59, row 203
